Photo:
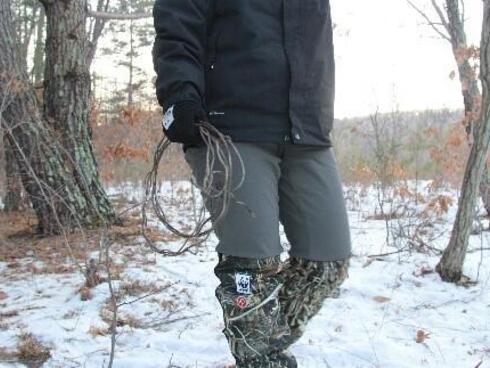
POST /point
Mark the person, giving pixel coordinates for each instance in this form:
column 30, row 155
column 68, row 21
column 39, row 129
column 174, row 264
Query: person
column 261, row 72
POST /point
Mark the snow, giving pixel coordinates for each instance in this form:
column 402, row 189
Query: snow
column 384, row 304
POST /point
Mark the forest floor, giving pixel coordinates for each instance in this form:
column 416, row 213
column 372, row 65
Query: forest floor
column 393, row 311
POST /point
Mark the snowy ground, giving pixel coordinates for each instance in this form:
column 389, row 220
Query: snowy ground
column 393, row 311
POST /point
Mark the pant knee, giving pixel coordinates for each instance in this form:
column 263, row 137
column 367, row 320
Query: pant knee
column 309, row 283
column 318, row 272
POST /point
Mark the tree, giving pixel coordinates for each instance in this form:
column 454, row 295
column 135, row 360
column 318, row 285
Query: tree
column 13, row 193
column 127, row 38
column 38, row 58
column 451, row 264
column 53, row 147
column 451, row 27
column 27, row 14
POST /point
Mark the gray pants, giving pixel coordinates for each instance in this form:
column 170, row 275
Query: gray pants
column 296, row 185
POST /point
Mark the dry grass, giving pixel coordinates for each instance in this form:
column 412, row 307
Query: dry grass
column 99, row 331
column 129, row 320
column 136, row 288
column 123, row 319
column 24, row 251
column 7, row 356
column 168, row 305
column 31, row 351
column 86, row 293
column 19, row 240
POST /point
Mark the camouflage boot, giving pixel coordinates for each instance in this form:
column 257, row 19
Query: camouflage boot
column 275, row 360
column 306, row 285
column 248, row 295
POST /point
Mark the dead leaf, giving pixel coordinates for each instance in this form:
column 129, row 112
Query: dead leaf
column 424, row 270
column 421, row 336
column 381, row 299
column 3, row 295
column 466, row 281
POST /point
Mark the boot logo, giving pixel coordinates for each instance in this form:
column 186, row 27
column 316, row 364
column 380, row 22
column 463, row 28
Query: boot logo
column 243, row 283
column 241, row 302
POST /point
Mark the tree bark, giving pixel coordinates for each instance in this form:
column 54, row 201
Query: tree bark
column 469, row 83
column 62, row 183
column 455, row 34
column 67, row 92
column 38, row 62
column 131, row 63
column 451, row 264
column 13, row 195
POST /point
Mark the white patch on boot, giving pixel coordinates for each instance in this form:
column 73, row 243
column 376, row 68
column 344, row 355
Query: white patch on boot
column 243, row 283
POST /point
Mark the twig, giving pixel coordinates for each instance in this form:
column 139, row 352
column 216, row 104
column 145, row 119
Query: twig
column 431, row 23
column 387, row 254
column 105, row 245
column 166, row 320
column 144, row 296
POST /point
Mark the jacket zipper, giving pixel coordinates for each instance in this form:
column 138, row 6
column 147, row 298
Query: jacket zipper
column 287, row 138
column 214, row 51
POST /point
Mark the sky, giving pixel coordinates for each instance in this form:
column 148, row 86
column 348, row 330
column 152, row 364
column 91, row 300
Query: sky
column 387, row 58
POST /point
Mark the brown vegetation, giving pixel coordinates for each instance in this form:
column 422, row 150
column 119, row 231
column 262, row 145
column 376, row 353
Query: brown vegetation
column 31, row 351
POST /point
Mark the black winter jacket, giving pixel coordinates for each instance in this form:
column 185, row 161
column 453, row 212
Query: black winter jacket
column 262, row 69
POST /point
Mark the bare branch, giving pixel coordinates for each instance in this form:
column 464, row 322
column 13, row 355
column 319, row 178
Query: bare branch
column 430, row 22
column 105, row 245
column 463, row 12
column 440, row 13
column 118, row 16
column 98, row 27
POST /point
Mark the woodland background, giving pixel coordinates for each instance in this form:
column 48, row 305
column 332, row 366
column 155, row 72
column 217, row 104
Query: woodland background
column 125, row 119
column 82, row 285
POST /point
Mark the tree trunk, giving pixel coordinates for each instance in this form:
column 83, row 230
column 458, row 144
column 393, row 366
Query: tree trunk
column 131, row 65
column 96, row 31
column 469, row 83
column 451, row 264
column 26, row 23
column 13, row 195
column 38, row 62
column 67, row 93
column 62, row 183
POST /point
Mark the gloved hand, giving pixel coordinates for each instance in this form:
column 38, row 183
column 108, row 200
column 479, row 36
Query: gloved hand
column 179, row 122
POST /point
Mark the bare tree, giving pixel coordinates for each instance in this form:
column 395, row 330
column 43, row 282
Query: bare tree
column 451, row 27
column 451, row 264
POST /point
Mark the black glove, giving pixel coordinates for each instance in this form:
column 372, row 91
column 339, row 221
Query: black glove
column 183, row 117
